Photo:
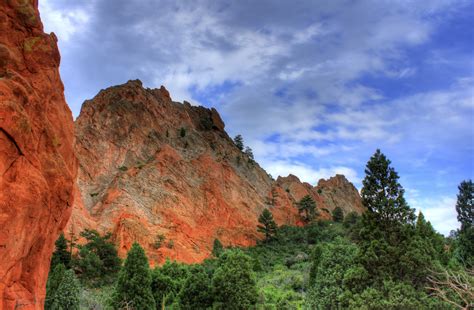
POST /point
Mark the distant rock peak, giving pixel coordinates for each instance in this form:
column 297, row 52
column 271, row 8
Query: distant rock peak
column 150, row 166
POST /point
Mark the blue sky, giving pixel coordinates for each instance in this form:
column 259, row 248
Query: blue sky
column 313, row 86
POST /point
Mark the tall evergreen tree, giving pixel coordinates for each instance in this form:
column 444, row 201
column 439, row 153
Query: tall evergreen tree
column 67, row 294
column 464, row 208
column 465, row 204
column 268, row 225
column 390, row 246
column 217, row 248
column 338, row 215
column 196, row 293
column 382, row 195
column 134, row 282
column 167, row 281
column 97, row 260
column 233, row 283
column 61, row 255
column 54, row 280
column 239, row 142
column 307, row 208
column 249, row 152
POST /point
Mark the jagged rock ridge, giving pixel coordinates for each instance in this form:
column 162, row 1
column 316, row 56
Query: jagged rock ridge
column 150, row 166
column 37, row 162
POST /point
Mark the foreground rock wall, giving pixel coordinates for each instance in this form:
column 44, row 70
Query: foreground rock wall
column 37, row 163
column 150, row 166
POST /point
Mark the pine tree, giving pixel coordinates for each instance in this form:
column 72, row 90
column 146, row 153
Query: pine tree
column 338, row 215
column 382, row 195
column 239, row 142
column 249, row 153
column 268, row 225
column 464, row 208
column 54, row 280
column 307, row 208
column 196, row 292
column 134, row 282
column 67, row 293
column 61, row 255
column 233, row 283
column 217, row 248
column 465, row 204
column 98, row 261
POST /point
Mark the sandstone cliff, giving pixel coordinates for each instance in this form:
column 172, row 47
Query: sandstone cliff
column 37, row 163
column 150, row 166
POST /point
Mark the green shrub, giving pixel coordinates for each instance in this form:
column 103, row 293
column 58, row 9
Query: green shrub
column 233, row 283
column 134, row 282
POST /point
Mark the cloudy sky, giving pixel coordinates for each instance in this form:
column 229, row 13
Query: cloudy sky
column 313, row 86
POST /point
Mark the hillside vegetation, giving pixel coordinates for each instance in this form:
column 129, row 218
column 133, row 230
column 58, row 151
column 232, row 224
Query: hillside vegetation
column 389, row 258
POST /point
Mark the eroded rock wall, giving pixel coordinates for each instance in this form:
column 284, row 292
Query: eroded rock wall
column 37, row 162
column 150, row 166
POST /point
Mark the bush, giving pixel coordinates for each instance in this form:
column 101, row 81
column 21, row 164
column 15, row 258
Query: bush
column 97, row 261
column 167, row 281
column 159, row 239
column 196, row 292
column 338, row 215
column 67, row 293
column 62, row 289
column 233, row 283
column 134, row 282
column 182, row 132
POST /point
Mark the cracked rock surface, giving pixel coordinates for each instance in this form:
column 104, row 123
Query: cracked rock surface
column 37, row 162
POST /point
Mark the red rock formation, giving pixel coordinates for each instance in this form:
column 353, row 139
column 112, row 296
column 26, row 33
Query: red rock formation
column 151, row 166
column 37, row 164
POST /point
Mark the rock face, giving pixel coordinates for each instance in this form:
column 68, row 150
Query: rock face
column 37, row 162
column 150, row 166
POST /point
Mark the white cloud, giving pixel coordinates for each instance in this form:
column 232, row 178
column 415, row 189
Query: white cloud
column 63, row 23
column 440, row 211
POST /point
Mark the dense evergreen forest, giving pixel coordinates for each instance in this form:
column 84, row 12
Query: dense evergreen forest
column 389, row 258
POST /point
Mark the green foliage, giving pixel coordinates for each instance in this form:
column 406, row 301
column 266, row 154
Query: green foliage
column 217, row 248
column 239, row 142
column 394, row 295
column 96, row 298
column 233, row 282
column 465, row 204
column 123, row 168
column 54, row 280
column 268, row 226
column 351, row 219
column 196, row 292
column 62, row 289
column 391, row 246
column 465, row 210
column 382, row 195
column 248, row 151
column 167, row 281
column 465, row 246
column 307, row 208
column 159, row 239
column 182, row 132
column 333, row 266
column 134, row 282
column 67, row 293
column 61, row 255
column 97, row 261
column 338, row 215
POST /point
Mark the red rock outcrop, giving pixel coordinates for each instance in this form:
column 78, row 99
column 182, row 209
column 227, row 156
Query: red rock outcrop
column 37, row 162
column 150, row 166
